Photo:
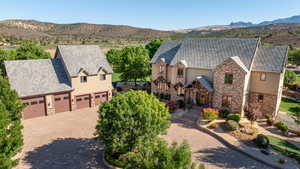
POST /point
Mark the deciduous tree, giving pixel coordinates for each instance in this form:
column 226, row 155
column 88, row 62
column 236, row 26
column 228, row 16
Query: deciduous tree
column 289, row 77
column 154, row 45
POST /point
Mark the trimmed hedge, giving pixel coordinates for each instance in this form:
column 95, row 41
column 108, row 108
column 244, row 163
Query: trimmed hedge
column 235, row 117
column 285, row 147
column 282, row 127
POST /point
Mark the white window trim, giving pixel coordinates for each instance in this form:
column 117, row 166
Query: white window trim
column 261, row 75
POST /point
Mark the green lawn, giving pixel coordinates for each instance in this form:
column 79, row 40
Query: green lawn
column 285, row 147
column 298, row 79
column 289, row 106
column 116, row 77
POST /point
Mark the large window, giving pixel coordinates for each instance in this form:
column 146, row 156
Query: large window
column 180, row 72
column 228, row 78
column 263, row 76
column 180, row 91
column 161, row 68
column 83, row 79
column 162, row 86
column 226, row 101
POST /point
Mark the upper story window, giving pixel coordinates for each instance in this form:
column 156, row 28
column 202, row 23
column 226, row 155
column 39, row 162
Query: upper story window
column 161, row 68
column 260, row 98
column 263, row 76
column 228, row 78
column 83, row 79
column 180, row 72
column 102, row 77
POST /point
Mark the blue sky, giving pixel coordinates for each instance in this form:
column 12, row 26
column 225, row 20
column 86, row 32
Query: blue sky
column 157, row 14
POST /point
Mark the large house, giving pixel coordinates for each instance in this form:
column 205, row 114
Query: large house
column 227, row 73
column 78, row 77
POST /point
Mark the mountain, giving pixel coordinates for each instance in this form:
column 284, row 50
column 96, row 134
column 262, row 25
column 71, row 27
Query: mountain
column 52, row 33
column 289, row 20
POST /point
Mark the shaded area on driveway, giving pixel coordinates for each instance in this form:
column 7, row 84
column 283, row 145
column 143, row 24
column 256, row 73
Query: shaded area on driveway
column 67, row 153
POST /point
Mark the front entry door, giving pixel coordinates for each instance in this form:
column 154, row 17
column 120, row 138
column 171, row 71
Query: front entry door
column 201, row 99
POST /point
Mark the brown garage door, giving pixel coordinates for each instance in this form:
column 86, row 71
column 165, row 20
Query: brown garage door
column 62, row 102
column 100, row 98
column 35, row 107
column 83, row 101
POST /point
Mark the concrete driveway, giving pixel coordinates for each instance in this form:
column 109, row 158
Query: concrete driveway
column 65, row 141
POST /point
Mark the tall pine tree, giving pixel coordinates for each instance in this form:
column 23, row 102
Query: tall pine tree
column 11, row 139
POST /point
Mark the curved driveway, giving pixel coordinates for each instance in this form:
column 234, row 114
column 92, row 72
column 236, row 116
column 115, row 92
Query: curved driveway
column 65, row 141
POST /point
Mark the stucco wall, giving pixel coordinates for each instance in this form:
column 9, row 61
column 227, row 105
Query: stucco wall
column 192, row 73
column 269, row 86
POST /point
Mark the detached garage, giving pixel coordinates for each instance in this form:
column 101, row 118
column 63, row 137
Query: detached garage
column 35, row 107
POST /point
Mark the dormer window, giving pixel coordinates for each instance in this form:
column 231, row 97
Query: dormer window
column 102, row 77
column 228, row 78
column 83, row 79
column 180, row 72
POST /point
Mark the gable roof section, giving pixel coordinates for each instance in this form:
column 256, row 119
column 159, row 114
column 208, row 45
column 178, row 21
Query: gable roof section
column 238, row 61
column 83, row 57
column 166, row 51
column 270, row 59
column 208, row 52
column 37, row 77
column 205, row 83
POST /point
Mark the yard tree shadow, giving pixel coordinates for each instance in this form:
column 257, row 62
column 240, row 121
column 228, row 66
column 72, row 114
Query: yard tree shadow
column 226, row 158
column 67, row 153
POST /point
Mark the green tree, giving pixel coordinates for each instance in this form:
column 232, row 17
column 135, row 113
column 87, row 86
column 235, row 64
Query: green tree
column 294, row 56
column 156, row 154
column 129, row 119
column 11, row 139
column 289, row 77
column 133, row 64
column 6, row 55
column 154, row 45
column 31, row 51
column 113, row 56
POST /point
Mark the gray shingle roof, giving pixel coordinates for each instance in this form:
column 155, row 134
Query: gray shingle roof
column 270, row 59
column 83, row 57
column 203, row 80
column 37, row 77
column 166, row 51
column 209, row 52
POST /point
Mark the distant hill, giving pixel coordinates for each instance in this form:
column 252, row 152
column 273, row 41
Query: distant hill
column 289, row 20
column 51, row 33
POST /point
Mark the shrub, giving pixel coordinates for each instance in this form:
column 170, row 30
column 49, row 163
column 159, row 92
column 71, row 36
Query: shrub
column 235, row 117
column 224, row 113
column 210, row 114
column 268, row 116
column 270, row 120
column 232, row 125
column 213, row 125
column 262, row 141
column 282, row 127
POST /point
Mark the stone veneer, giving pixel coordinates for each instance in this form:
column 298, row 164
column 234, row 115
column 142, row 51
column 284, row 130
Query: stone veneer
column 269, row 102
column 235, row 90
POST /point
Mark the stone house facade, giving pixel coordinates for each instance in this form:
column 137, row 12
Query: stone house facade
column 78, row 77
column 230, row 73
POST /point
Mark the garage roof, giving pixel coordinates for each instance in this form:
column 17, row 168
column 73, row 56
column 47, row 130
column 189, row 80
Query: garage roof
column 37, row 77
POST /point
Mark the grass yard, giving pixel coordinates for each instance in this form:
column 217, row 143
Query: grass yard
column 298, row 78
column 289, row 106
column 116, row 77
column 285, row 147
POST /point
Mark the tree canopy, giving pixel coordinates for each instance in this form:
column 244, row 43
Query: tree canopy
column 294, row 56
column 154, row 45
column 130, row 118
column 25, row 51
column 289, row 77
column 11, row 139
